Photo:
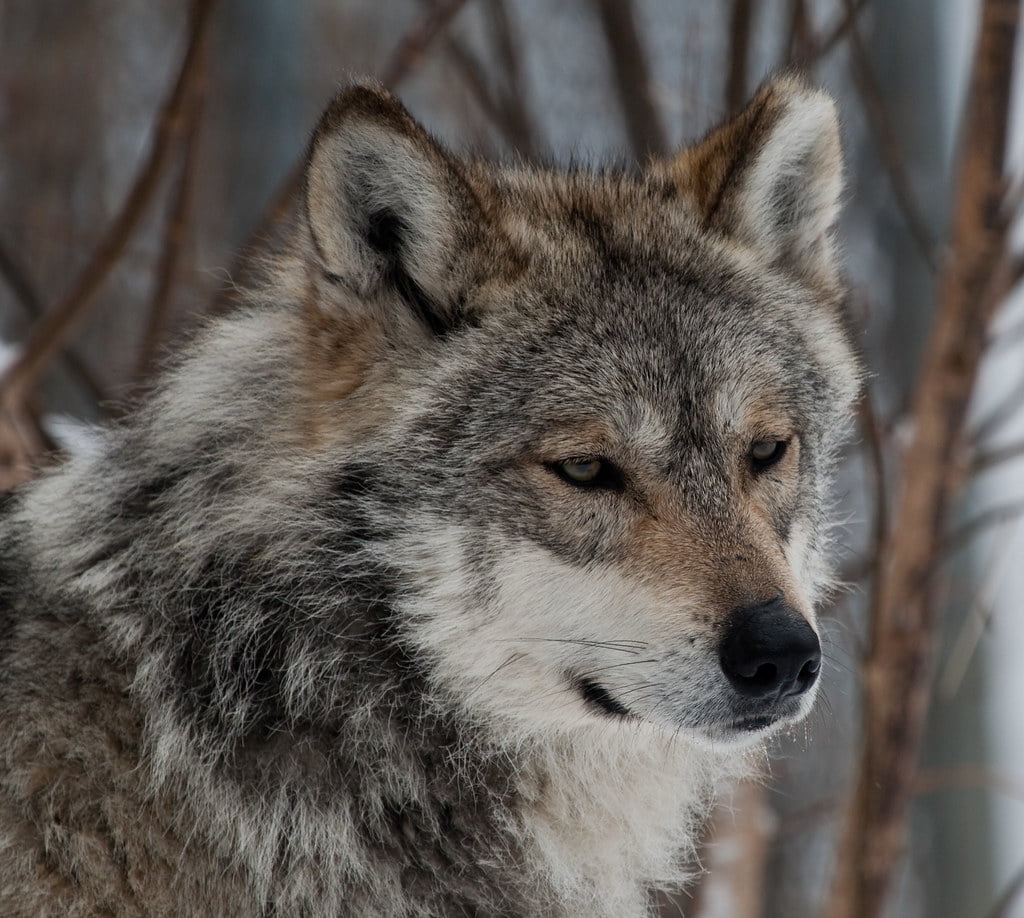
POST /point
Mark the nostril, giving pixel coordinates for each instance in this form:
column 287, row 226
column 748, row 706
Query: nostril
column 808, row 675
column 766, row 674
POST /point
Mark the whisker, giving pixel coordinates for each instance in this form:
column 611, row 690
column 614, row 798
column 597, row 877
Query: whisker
column 622, row 646
column 508, row 661
column 601, row 669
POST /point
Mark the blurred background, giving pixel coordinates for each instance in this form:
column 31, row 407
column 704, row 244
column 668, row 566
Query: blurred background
column 144, row 145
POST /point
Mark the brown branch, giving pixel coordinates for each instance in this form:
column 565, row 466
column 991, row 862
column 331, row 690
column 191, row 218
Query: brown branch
column 1013, row 889
column 632, row 78
column 986, row 519
column 49, row 334
column 900, row 657
column 799, row 42
column 934, row 780
column 411, row 47
column 406, row 57
column 735, row 850
column 986, row 460
column 1009, row 337
column 1003, row 410
column 880, row 121
column 506, row 108
column 741, row 22
column 520, row 123
column 24, row 291
column 821, row 47
column 175, row 229
column 876, row 456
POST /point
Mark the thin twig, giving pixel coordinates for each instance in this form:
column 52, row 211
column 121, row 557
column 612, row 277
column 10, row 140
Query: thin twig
column 632, row 78
column 741, row 22
column 982, row 462
column 24, row 291
column 521, row 124
column 799, row 42
column 175, row 230
column 48, row 335
column 823, row 46
column 1008, row 337
column 1013, row 889
column 1009, row 405
column 408, row 54
column 504, row 108
column 409, row 51
column 934, row 780
column 986, row 519
column 979, row 615
column 898, row 668
column 876, row 451
column 873, row 99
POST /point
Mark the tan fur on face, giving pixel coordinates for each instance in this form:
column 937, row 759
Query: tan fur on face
column 339, row 352
column 672, row 553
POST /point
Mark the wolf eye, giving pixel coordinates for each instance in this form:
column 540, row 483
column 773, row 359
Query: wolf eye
column 589, row 472
column 766, row 453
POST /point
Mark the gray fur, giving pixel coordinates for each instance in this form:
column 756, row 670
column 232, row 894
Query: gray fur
column 306, row 635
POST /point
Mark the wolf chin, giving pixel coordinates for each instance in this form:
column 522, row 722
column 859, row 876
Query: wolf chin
column 452, row 571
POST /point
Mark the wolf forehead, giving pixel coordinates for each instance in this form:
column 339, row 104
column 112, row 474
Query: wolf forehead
column 709, row 273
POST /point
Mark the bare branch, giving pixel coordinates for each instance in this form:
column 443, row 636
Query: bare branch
column 632, row 78
column 900, row 658
column 736, row 849
column 506, row 107
column 966, row 532
column 873, row 99
column 823, row 46
column 25, row 293
column 741, row 21
column 799, row 43
column 934, row 780
column 1004, row 409
column 175, row 230
column 1001, row 909
column 413, row 44
column 868, row 417
column 48, row 335
column 993, row 457
column 407, row 56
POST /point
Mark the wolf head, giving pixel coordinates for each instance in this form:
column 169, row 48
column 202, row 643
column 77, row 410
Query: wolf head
column 603, row 406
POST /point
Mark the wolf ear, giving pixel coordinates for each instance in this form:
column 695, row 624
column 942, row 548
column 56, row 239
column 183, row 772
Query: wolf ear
column 387, row 207
column 772, row 176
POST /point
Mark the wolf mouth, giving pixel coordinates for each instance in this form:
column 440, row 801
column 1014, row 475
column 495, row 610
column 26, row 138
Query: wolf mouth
column 752, row 724
column 598, row 696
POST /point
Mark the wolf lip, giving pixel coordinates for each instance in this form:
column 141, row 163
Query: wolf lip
column 600, row 697
column 751, row 724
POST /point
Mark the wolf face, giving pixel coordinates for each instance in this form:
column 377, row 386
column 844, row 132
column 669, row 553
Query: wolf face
column 604, row 407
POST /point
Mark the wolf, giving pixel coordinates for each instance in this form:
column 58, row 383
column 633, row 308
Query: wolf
column 451, row 572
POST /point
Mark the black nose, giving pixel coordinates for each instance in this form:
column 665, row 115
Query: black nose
column 769, row 651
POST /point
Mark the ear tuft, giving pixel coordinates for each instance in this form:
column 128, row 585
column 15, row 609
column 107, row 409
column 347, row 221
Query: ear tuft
column 773, row 175
column 387, row 208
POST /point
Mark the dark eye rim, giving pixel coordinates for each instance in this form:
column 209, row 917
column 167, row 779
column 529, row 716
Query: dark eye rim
column 608, row 478
column 762, row 465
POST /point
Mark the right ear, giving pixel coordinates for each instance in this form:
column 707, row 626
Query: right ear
column 388, row 209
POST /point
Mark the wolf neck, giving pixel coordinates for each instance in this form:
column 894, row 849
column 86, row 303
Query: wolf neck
column 284, row 708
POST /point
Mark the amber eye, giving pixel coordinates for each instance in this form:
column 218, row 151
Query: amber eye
column 766, row 453
column 589, row 472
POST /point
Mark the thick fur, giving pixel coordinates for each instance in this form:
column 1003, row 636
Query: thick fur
column 324, row 629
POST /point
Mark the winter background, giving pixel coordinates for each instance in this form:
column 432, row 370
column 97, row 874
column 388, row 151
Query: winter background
column 82, row 87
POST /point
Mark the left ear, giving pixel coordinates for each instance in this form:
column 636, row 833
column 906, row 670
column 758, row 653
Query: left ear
column 772, row 176
column 388, row 209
